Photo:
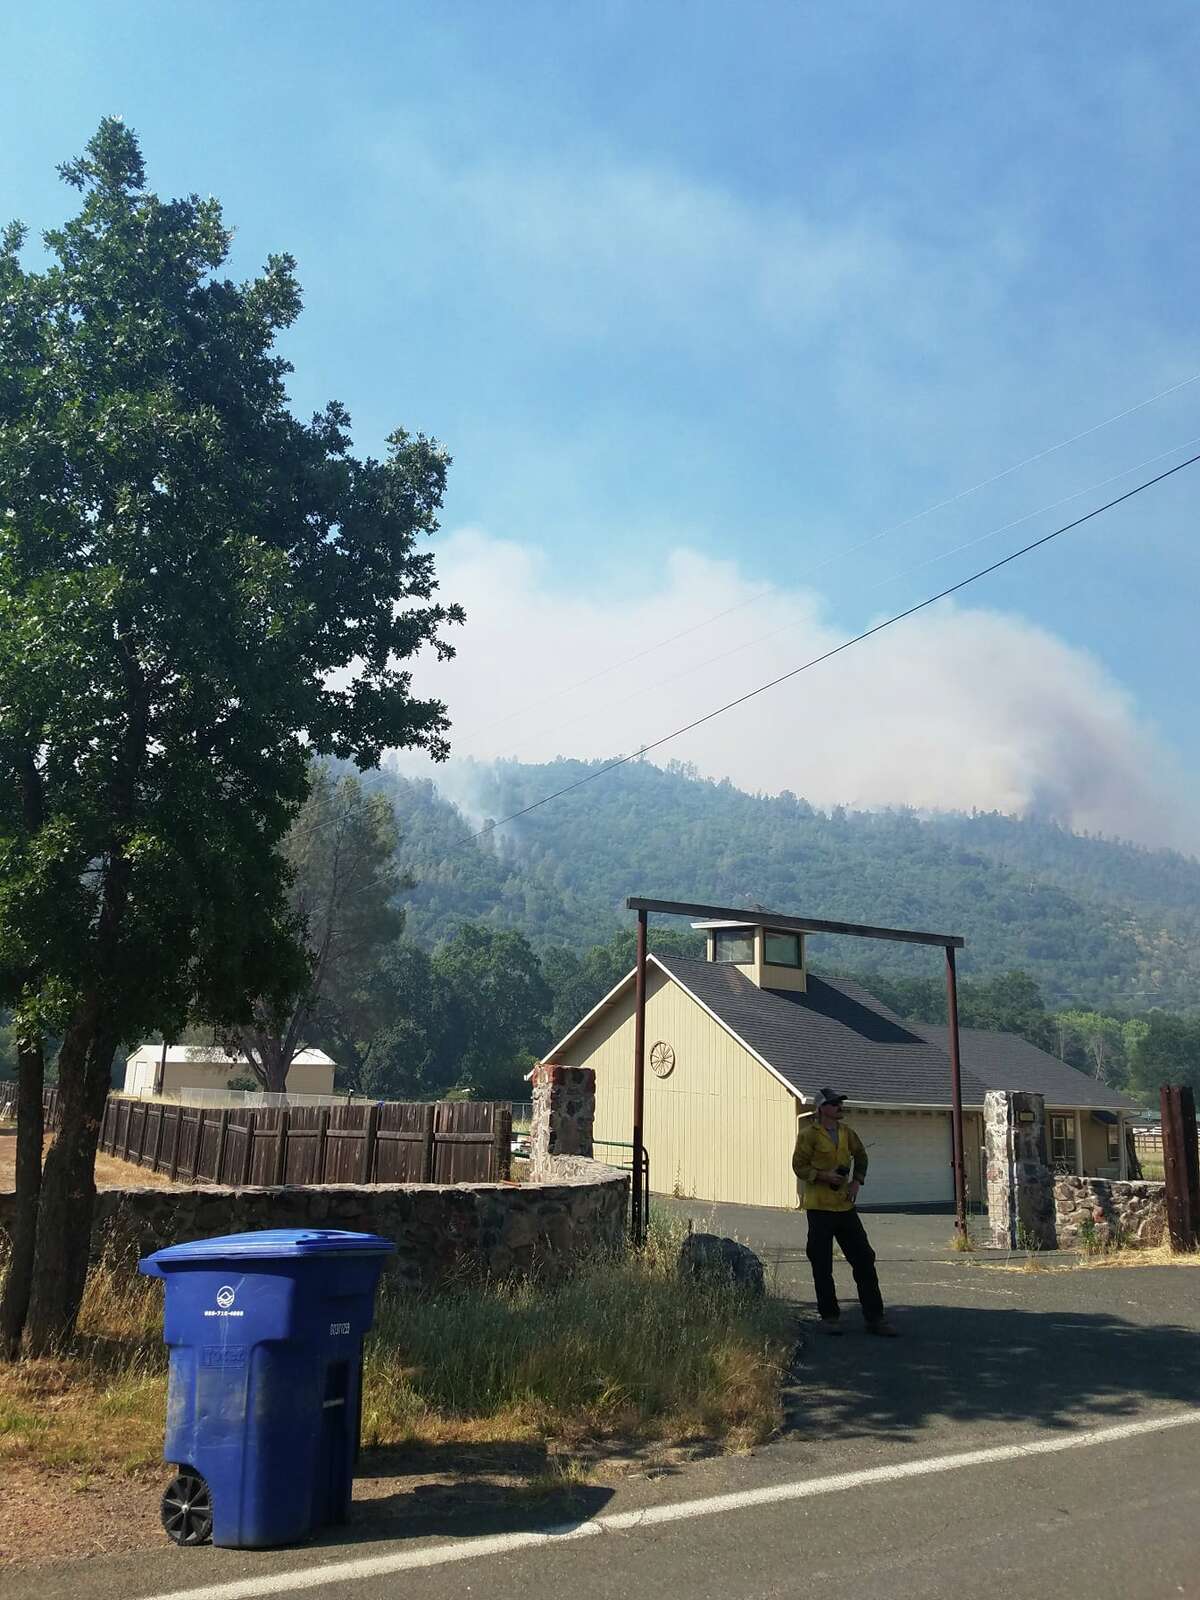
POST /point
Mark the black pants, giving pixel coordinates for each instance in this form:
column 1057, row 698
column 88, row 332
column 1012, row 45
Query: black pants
column 846, row 1227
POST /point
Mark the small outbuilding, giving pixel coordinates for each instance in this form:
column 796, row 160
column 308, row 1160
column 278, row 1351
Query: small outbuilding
column 738, row 1044
column 150, row 1071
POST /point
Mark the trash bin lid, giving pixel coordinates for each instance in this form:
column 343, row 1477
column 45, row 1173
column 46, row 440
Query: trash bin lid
column 270, row 1244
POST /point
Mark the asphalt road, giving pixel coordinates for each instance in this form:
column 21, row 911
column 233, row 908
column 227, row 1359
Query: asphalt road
column 1029, row 1432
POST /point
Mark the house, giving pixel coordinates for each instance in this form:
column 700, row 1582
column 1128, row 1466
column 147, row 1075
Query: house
column 189, row 1066
column 1085, row 1119
column 737, row 1044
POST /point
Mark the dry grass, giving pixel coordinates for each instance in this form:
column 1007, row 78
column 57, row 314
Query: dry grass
column 100, row 1408
column 110, row 1173
column 1158, row 1255
column 624, row 1348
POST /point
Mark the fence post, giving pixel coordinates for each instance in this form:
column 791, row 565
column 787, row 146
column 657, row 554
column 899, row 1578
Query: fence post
column 197, row 1173
column 158, row 1125
column 427, row 1145
column 248, row 1153
column 366, row 1172
column 1177, row 1105
column 502, row 1143
column 281, row 1147
column 222, row 1136
column 128, row 1125
column 173, row 1164
column 322, row 1145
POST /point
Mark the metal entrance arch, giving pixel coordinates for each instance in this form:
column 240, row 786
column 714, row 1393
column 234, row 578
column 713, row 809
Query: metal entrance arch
column 949, row 942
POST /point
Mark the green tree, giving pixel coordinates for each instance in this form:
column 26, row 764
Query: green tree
column 8, row 1050
column 580, row 981
column 341, row 854
column 496, row 1001
column 1101, row 1040
column 1168, row 1051
column 1011, row 1003
column 397, row 1042
column 198, row 590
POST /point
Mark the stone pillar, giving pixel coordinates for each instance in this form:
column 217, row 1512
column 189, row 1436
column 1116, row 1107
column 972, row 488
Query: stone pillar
column 1020, row 1184
column 564, row 1107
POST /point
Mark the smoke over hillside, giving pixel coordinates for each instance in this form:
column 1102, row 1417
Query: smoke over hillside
column 953, row 709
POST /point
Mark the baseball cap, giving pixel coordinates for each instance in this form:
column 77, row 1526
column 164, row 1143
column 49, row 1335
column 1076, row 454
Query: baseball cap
column 829, row 1097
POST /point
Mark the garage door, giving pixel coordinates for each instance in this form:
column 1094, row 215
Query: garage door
column 909, row 1157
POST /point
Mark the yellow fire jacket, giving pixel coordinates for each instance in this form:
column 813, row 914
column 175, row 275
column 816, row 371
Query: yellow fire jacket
column 816, row 1152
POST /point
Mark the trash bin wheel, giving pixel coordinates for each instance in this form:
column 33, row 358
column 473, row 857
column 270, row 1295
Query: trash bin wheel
column 187, row 1508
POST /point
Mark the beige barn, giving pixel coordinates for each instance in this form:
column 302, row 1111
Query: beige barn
column 738, row 1044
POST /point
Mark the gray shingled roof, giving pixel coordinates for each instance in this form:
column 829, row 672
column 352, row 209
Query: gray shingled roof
column 835, row 1035
column 1007, row 1061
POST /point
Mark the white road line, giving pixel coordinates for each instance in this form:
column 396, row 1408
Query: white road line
column 439, row 1555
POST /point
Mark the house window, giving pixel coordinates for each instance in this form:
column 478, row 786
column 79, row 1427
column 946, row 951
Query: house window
column 733, row 944
column 782, row 949
column 1062, row 1143
column 1114, row 1142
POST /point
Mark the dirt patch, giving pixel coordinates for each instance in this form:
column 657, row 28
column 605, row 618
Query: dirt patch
column 110, row 1173
column 48, row 1515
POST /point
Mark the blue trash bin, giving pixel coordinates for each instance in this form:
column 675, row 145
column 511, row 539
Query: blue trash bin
column 265, row 1391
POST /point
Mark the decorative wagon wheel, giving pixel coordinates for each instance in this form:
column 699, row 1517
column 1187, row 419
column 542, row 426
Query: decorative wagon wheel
column 662, row 1059
column 187, row 1508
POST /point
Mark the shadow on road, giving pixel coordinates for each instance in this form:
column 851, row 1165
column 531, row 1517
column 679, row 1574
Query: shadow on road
column 1045, row 1368
column 496, row 1488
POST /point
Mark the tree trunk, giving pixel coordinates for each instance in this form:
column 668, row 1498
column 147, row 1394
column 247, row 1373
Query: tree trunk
column 68, row 1194
column 275, row 1063
column 269, row 1055
column 14, row 1303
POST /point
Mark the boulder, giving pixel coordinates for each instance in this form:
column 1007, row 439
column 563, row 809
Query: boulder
column 705, row 1255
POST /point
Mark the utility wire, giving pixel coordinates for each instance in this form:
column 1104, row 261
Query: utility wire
column 826, row 655
column 837, row 555
column 711, row 660
column 981, row 538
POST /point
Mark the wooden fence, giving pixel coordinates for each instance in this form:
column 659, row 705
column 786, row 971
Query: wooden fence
column 452, row 1141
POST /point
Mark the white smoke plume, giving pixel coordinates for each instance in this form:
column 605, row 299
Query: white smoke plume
column 956, row 708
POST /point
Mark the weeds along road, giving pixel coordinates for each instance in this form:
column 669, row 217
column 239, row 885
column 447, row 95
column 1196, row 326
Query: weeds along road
column 1029, row 1430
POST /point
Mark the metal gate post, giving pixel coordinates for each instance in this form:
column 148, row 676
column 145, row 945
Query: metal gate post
column 956, row 1111
column 637, row 1207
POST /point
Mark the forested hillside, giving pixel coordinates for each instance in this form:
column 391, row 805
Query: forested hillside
column 1098, row 922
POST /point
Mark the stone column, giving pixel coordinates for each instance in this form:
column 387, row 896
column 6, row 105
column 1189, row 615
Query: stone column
column 564, row 1107
column 1020, row 1184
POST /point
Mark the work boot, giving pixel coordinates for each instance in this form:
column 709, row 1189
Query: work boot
column 831, row 1325
column 882, row 1328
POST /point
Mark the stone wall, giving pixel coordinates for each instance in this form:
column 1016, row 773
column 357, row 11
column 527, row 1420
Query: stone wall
column 572, row 1207
column 493, row 1227
column 1020, row 1184
column 1104, row 1211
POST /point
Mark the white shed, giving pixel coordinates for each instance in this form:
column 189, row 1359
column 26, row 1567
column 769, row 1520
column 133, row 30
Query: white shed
column 192, row 1066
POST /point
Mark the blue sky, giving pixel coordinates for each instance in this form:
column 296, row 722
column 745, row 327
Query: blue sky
column 699, row 296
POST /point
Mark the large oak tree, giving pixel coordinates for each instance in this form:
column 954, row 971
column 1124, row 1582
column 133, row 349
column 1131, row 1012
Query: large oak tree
column 198, row 591
column 341, row 852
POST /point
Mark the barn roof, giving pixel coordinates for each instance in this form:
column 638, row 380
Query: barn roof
column 1007, row 1061
column 835, row 1033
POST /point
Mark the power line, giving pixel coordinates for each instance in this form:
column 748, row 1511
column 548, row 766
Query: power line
column 711, row 660
column 837, row 555
column 982, row 538
column 826, row 655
